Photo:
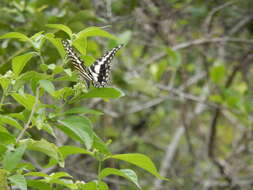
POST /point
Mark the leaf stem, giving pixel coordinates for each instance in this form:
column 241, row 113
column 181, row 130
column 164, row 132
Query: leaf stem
column 2, row 100
column 31, row 115
column 99, row 171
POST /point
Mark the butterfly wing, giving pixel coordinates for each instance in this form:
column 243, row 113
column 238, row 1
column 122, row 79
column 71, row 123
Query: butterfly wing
column 100, row 70
column 76, row 61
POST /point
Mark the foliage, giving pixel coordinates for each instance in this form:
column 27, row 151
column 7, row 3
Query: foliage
column 181, row 95
column 35, row 115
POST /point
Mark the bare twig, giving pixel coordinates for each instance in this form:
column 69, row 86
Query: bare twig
column 169, row 154
column 241, row 24
column 209, row 19
column 200, row 41
column 185, row 95
column 147, row 105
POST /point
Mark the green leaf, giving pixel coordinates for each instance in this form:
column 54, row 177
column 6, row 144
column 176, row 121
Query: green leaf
column 45, row 147
column 92, row 185
column 139, row 160
column 19, row 62
column 47, row 86
column 58, row 175
column 63, row 93
column 68, row 150
column 65, row 182
column 95, row 185
column 37, row 184
column 100, row 145
column 3, row 149
column 10, row 121
column 3, row 180
column 37, row 40
column 174, row 57
column 6, row 138
column 126, row 173
column 218, row 74
column 57, row 43
column 5, row 83
column 61, row 27
column 79, row 128
column 81, row 45
column 103, row 93
column 83, row 110
column 25, row 100
column 31, row 77
column 16, row 35
column 94, row 31
column 88, row 60
column 102, row 185
column 36, row 174
column 19, row 181
column 232, row 98
column 12, row 158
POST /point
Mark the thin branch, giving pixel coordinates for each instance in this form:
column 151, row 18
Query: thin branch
column 213, row 129
column 211, row 40
column 185, row 95
column 31, row 115
column 209, row 19
column 200, row 41
column 169, row 155
column 241, row 24
column 147, row 105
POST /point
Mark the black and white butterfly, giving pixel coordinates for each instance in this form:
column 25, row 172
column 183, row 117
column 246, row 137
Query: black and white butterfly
column 99, row 72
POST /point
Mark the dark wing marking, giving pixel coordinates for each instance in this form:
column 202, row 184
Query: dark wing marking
column 76, row 60
column 99, row 72
column 101, row 68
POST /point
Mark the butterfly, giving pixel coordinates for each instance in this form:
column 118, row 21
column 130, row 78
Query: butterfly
column 99, row 72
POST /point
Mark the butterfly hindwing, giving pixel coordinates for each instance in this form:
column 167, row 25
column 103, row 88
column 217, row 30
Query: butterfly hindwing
column 76, row 61
column 99, row 72
column 101, row 68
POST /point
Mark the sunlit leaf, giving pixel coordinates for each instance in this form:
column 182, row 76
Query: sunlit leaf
column 103, row 93
column 10, row 121
column 79, row 128
column 218, row 74
column 16, row 35
column 94, row 31
column 19, row 181
column 26, row 100
column 12, row 158
column 19, row 62
column 45, row 147
column 40, row 185
column 83, row 110
column 3, row 180
column 57, row 43
column 126, row 173
column 6, row 138
column 139, row 160
column 61, row 27
column 48, row 86
column 81, row 45
column 68, row 150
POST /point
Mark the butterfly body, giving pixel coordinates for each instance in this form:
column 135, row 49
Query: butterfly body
column 99, row 72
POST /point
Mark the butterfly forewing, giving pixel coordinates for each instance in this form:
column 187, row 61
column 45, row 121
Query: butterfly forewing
column 99, row 72
column 76, row 60
column 101, row 69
